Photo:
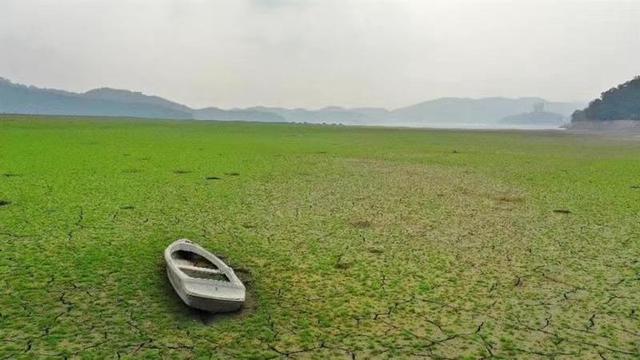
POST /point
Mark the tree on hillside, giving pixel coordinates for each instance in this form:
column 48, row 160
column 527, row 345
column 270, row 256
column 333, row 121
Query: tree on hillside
column 619, row 103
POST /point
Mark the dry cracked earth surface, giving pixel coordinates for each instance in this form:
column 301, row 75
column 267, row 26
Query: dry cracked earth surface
column 355, row 243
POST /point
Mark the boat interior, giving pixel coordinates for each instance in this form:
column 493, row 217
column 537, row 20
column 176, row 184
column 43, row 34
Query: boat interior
column 196, row 266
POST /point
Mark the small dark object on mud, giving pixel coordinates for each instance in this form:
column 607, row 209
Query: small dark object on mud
column 509, row 199
column 4, row 202
column 232, row 174
column 213, row 178
column 10, row 175
column 518, row 282
column 562, row 211
column 127, row 207
column 342, row 264
column 361, row 224
column 182, row 172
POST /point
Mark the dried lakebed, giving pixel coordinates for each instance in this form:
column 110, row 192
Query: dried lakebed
column 353, row 242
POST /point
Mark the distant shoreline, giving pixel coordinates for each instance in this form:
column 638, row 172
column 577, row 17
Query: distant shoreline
column 406, row 126
column 627, row 129
column 602, row 125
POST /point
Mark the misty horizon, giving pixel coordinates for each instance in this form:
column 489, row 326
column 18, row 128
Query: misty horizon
column 313, row 54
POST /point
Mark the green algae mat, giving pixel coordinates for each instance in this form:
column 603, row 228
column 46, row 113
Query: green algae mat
column 354, row 242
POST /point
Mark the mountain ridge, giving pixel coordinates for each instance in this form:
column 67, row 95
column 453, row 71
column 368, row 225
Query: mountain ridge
column 106, row 101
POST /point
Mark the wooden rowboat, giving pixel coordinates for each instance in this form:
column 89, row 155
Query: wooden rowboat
column 201, row 279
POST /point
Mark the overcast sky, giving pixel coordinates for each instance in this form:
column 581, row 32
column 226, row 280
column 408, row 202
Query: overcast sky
column 313, row 53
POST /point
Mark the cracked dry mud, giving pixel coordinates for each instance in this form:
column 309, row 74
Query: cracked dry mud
column 392, row 247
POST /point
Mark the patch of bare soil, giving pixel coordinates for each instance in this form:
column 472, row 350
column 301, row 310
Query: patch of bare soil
column 509, row 199
column 361, row 224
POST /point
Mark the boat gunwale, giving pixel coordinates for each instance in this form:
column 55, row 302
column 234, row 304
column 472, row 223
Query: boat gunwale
column 234, row 281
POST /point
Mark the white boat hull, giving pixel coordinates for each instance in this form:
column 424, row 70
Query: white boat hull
column 194, row 288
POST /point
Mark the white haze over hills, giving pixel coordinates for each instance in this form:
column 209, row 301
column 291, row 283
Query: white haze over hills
column 314, row 53
column 496, row 112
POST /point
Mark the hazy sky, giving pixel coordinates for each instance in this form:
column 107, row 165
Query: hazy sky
column 314, row 53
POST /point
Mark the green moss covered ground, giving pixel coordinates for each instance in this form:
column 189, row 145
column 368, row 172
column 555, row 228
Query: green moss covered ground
column 356, row 242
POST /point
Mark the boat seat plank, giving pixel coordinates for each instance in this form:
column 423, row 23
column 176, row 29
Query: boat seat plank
column 200, row 269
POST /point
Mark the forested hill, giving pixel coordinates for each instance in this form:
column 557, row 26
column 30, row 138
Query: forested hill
column 619, row 103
